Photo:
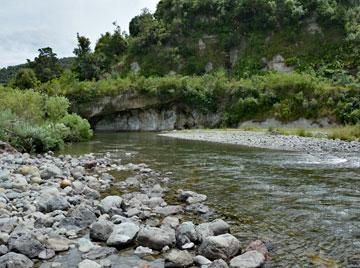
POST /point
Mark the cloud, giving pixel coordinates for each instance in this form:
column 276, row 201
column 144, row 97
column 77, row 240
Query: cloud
column 27, row 25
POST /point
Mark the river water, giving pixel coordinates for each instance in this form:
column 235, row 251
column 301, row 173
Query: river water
column 306, row 205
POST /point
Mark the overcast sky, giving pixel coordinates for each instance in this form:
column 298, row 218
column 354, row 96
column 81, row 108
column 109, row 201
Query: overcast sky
column 27, row 25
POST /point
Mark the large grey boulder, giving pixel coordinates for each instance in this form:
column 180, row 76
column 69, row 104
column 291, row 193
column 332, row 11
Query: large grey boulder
column 49, row 171
column 109, row 203
column 98, row 253
column 185, row 233
column 223, row 246
column 80, row 217
column 218, row 264
column 156, row 238
column 169, row 210
column 216, row 227
column 25, row 243
column 191, row 197
column 58, row 243
column 250, row 259
column 123, row 234
column 101, row 230
column 50, row 199
column 14, row 260
column 178, row 258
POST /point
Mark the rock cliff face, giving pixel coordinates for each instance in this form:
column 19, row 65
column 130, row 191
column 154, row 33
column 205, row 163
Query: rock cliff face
column 134, row 112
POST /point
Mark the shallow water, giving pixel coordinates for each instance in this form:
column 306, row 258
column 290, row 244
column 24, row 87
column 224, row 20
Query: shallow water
column 306, row 205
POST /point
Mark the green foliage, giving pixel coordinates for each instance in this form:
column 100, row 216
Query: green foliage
column 46, row 65
column 87, row 64
column 110, row 47
column 56, row 108
column 25, row 78
column 35, row 122
column 79, row 128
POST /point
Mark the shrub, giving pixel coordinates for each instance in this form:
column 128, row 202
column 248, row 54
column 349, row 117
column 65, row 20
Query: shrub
column 79, row 128
column 25, row 78
column 56, row 107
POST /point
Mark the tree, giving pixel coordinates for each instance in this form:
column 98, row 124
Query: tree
column 87, row 63
column 110, row 46
column 46, row 66
column 25, row 78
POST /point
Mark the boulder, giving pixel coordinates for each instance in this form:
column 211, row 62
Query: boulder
column 156, row 238
column 223, row 246
column 29, row 170
column 101, row 230
column 49, row 171
column 85, row 245
column 123, row 234
column 19, row 182
column 97, row 253
column 216, row 227
column 58, row 243
column 259, row 246
column 25, row 243
column 14, row 260
column 201, row 260
column 143, row 251
column 50, row 199
column 169, row 210
column 46, row 254
column 88, row 264
column 218, row 264
column 185, row 233
column 110, row 202
column 191, row 197
column 80, row 217
column 7, row 148
column 250, row 259
column 3, row 250
column 179, row 258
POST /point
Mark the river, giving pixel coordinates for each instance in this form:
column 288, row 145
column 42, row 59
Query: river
column 306, row 205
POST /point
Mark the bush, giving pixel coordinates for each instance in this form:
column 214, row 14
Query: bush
column 79, row 128
column 56, row 108
column 25, row 78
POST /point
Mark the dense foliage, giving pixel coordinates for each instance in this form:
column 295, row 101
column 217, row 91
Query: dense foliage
column 34, row 122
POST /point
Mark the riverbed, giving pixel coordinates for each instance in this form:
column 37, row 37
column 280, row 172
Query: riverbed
column 305, row 204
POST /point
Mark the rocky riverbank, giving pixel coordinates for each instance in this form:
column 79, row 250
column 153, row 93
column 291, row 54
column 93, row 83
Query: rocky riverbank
column 55, row 213
column 267, row 141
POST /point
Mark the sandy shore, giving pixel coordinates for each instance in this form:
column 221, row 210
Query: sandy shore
column 266, row 140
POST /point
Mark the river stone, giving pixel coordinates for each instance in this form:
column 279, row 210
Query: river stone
column 88, row 264
column 85, row 245
column 191, row 197
column 179, row 258
column 250, row 259
column 46, row 254
column 218, row 264
column 25, row 243
column 50, row 199
column 80, row 217
column 143, row 251
column 259, row 246
column 19, row 182
column 170, row 221
column 58, row 243
column 14, row 260
column 29, row 170
column 169, row 210
column 110, row 202
column 219, row 247
column 156, row 238
column 201, row 260
column 7, row 225
column 216, row 227
column 185, row 233
column 98, row 253
column 123, row 234
column 101, row 230
column 3, row 250
column 48, row 171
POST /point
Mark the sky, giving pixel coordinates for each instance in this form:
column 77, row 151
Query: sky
column 27, row 25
